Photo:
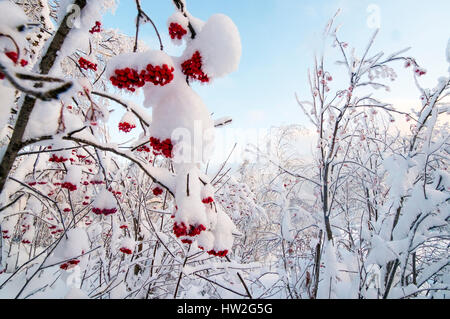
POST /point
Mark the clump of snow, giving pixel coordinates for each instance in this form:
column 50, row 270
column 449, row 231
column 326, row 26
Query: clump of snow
column 76, row 293
column 104, row 203
column 127, row 245
column 72, row 245
column 220, row 46
column 73, row 174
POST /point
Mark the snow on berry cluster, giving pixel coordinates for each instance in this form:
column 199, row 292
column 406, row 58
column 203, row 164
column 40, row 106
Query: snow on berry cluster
column 104, row 204
column 198, row 218
column 218, row 45
column 127, row 246
column 70, row 249
column 127, row 122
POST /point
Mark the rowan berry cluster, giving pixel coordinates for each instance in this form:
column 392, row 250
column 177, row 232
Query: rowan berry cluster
column 104, row 211
column 157, row 191
column 207, row 200
column 182, row 230
column 13, row 56
column 86, row 64
column 129, row 78
column 71, row 187
column 70, row 264
column 193, row 68
column 126, row 127
column 176, row 31
column 220, row 253
column 96, row 27
column 57, row 159
column 126, row 250
column 165, row 147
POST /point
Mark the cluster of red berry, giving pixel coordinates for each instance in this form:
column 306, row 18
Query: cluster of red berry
column 181, row 230
column 96, row 27
column 67, row 209
column 126, row 250
column 117, row 193
column 193, row 68
column 220, row 253
column 158, row 75
column 143, row 148
column 86, row 65
column 176, row 31
column 186, row 241
column 165, row 147
column 420, row 71
column 57, row 159
column 104, row 211
column 32, row 183
column 56, row 231
column 71, row 187
column 129, row 78
column 157, row 191
column 70, row 264
column 207, row 200
column 5, row 234
column 13, row 56
column 126, row 127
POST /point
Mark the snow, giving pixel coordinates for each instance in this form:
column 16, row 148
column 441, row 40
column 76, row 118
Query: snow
column 72, row 245
column 76, row 293
column 73, row 174
column 43, row 111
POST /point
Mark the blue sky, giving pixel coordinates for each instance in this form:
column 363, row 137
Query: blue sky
column 279, row 39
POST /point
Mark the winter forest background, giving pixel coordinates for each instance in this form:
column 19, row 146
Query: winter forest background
column 224, row 149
